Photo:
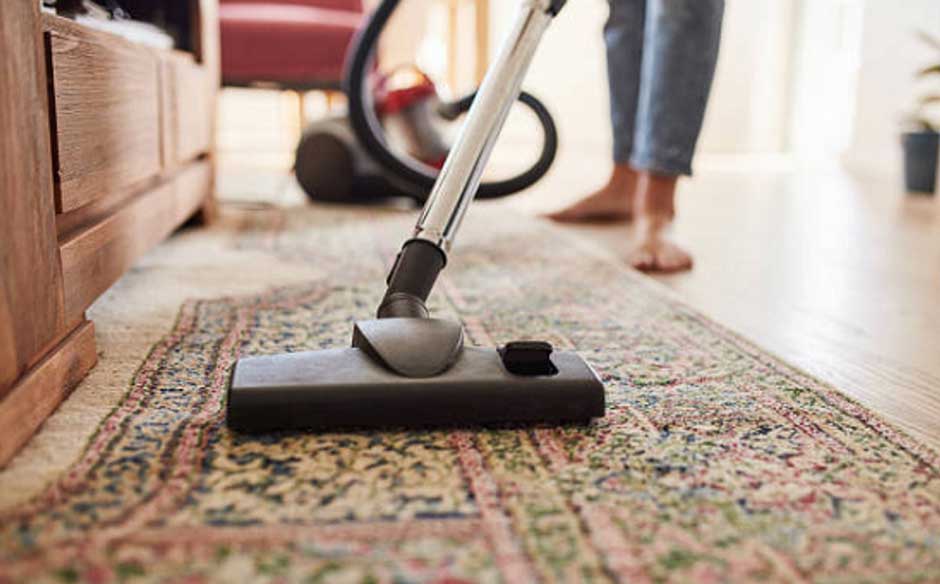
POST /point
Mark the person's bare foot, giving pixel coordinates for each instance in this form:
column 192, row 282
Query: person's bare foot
column 612, row 203
column 653, row 249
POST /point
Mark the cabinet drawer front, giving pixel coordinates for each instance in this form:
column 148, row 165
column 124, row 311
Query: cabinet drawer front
column 107, row 113
column 187, row 111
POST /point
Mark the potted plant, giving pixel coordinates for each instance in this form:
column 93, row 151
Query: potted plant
column 921, row 142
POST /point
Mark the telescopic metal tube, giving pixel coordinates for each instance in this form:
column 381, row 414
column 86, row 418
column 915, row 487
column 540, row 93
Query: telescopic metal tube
column 459, row 178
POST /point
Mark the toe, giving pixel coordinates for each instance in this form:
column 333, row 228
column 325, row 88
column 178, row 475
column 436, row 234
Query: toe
column 643, row 260
column 561, row 216
column 660, row 256
column 570, row 214
column 599, row 207
column 671, row 258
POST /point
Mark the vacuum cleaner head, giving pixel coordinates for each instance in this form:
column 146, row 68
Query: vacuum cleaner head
column 405, row 368
column 390, row 379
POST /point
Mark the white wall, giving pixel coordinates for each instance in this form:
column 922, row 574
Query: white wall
column 890, row 55
column 826, row 66
column 749, row 108
column 750, row 102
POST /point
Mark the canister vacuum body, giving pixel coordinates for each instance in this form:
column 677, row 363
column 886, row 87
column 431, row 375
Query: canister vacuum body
column 346, row 158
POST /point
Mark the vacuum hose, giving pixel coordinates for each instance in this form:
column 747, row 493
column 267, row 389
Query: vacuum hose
column 369, row 132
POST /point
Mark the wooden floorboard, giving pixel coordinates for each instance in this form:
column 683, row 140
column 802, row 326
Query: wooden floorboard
column 837, row 275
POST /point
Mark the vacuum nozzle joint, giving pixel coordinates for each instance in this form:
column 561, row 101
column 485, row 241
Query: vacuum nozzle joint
column 412, row 277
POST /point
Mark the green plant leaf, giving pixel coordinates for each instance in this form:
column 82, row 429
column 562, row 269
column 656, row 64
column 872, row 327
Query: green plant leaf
column 929, row 39
column 931, row 70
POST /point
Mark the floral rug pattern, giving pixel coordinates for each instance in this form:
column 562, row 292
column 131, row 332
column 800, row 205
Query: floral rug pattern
column 715, row 462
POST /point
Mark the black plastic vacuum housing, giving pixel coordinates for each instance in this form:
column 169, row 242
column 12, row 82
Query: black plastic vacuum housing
column 345, row 159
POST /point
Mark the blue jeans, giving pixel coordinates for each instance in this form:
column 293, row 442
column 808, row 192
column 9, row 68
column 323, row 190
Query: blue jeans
column 660, row 62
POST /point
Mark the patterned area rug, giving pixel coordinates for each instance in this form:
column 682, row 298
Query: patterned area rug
column 716, row 462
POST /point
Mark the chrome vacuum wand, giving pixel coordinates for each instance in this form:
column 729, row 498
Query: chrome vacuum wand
column 460, row 176
column 425, row 254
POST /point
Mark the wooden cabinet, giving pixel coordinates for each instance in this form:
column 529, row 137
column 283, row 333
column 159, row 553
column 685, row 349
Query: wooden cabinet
column 107, row 149
column 186, row 105
column 106, row 109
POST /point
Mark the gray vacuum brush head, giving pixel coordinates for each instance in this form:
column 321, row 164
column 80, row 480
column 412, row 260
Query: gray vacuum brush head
column 339, row 388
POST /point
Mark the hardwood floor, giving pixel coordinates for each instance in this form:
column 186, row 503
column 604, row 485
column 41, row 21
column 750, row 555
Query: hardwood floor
column 837, row 275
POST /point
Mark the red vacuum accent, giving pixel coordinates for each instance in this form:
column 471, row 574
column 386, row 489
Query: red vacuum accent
column 408, row 96
column 393, row 100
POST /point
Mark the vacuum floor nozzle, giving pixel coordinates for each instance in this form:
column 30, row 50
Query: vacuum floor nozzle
column 343, row 388
column 405, row 368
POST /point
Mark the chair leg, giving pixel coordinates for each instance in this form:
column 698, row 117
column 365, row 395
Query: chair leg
column 331, row 100
column 482, row 8
column 453, row 13
column 301, row 110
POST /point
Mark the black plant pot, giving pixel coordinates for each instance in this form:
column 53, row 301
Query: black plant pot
column 921, row 153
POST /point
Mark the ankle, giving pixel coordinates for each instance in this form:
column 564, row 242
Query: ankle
column 623, row 178
column 656, row 198
column 648, row 228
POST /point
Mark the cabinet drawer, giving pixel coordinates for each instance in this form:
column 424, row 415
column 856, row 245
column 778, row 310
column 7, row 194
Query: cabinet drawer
column 106, row 100
column 187, row 122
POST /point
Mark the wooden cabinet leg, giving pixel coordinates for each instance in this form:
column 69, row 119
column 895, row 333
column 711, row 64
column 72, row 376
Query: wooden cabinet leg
column 25, row 406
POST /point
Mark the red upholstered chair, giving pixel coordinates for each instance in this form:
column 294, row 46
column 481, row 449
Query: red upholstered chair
column 294, row 44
